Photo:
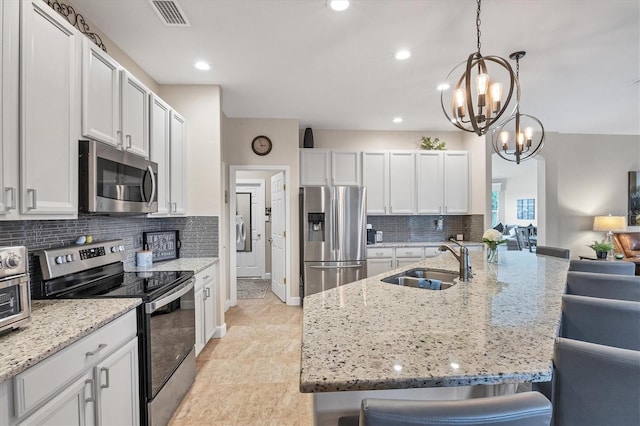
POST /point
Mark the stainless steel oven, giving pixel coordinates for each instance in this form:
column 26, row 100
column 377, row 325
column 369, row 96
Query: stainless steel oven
column 111, row 181
column 15, row 302
column 166, row 317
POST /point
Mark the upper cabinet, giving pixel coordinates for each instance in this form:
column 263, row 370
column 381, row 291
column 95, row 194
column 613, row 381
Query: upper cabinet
column 319, row 167
column 443, row 182
column 402, row 183
column 168, row 149
column 375, row 177
column 49, row 112
column 115, row 106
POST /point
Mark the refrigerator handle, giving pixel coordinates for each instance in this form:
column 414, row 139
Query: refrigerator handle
column 335, row 223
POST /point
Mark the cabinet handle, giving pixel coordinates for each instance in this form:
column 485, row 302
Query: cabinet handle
column 445, row 209
column 118, row 137
column 128, row 137
column 34, row 199
column 204, row 295
column 175, row 207
column 11, row 190
column 439, row 209
column 101, row 346
column 206, row 277
column 92, row 397
column 106, row 378
column 208, row 291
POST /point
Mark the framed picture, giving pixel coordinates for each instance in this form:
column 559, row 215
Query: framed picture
column 634, row 199
column 165, row 245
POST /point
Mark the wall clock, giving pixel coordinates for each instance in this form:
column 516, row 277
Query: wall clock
column 261, row 145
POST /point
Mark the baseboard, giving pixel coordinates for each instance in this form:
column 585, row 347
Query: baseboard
column 221, row 331
column 267, row 275
column 293, row 301
column 227, row 305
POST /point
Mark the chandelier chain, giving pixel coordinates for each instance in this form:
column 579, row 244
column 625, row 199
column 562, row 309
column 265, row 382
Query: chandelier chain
column 478, row 22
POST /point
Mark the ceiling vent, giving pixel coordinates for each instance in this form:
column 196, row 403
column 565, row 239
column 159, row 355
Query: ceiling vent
column 170, row 13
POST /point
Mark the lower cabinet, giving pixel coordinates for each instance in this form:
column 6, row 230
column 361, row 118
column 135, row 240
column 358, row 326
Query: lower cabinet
column 205, row 305
column 92, row 381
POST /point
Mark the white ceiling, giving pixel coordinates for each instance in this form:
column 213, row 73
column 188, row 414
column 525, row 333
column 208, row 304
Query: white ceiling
column 298, row 59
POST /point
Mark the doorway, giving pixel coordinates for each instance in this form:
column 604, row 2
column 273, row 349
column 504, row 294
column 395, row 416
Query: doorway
column 265, row 252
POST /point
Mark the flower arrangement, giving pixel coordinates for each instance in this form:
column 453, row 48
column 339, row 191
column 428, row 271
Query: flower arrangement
column 492, row 238
column 428, row 144
column 601, row 248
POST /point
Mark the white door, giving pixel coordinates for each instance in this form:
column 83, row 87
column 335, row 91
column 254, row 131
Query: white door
column 402, row 179
column 315, row 165
column 345, row 168
column 430, row 170
column 135, row 115
column 456, row 182
column 278, row 257
column 178, row 165
column 252, row 263
column 375, row 176
column 159, row 150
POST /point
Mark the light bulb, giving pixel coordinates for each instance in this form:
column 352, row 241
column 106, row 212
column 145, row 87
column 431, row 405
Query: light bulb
column 528, row 132
column 520, row 139
column 482, row 82
column 496, row 95
column 504, row 137
column 459, row 98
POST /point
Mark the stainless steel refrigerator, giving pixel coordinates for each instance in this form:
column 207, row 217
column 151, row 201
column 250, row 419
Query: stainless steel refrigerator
column 333, row 236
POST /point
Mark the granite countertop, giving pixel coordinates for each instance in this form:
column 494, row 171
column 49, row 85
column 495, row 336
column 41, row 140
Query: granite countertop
column 421, row 244
column 499, row 327
column 54, row 325
column 195, row 264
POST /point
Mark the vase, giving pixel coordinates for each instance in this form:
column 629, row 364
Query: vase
column 492, row 254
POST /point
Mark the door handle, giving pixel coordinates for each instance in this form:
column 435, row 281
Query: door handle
column 106, row 378
column 92, row 397
column 119, row 137
column 128, row 138
column 34, row 199
column 337, row 267
column 12, row 191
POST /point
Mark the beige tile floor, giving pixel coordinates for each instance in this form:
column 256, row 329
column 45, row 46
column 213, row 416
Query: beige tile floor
column 252, row 375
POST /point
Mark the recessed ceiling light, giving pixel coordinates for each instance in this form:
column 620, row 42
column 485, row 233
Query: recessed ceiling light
column 442, row 87
column 338, row 5
column 202, row 66
column 397, row 120
column 401, row 55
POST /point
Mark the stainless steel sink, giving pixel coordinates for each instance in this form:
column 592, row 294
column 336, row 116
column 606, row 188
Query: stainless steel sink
column 417, row 278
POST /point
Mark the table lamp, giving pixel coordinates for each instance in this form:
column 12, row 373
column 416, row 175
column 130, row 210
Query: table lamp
column 609, row 224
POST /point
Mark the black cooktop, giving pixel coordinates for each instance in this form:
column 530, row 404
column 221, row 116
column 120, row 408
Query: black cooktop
column 111, row 281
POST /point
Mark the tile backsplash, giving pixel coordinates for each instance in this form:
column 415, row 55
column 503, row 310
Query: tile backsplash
column 199, row 234
column 422, row 228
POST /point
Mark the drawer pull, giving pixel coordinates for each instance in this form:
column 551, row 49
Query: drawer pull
column 206, row 277
column 101, row 346
column 106, row 378
column 92, row 397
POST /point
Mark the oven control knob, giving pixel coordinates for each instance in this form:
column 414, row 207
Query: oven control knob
column 60, row 260
column 70, row 258
column 114, row 249
column 13, row 261
column 120, row 248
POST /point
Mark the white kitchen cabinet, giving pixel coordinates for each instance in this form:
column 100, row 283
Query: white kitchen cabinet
column 375, row 177
column 49, row 113
column 320, row 167
column 405, row 256
column 443, row 182
column 93, row 380
column 379, row 260
column 9, row 106
column 168, row 150
column 115, row 105
column 430, row 187
column 456, row 182
column 205, row 305
column 402, row 180
column 116, row 385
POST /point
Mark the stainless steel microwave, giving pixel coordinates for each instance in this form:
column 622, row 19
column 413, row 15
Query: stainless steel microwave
column 112, row 181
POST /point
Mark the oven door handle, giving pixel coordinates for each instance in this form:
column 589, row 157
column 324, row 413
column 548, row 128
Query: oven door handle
column 175, row 294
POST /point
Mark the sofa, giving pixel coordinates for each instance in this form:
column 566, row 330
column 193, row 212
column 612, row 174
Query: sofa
column 628, row 243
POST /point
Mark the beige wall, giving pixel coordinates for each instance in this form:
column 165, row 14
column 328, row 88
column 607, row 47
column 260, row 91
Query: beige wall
column 200, row 105
column 521, row 183
column 238, row 134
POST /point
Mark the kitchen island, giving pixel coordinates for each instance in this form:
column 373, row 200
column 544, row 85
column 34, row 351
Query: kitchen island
column 497, row 328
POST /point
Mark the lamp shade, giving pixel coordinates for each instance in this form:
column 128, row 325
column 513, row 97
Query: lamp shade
column 609, row 223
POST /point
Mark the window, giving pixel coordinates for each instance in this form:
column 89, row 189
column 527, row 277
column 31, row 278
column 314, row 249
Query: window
column 526, row 209
column 495, row 204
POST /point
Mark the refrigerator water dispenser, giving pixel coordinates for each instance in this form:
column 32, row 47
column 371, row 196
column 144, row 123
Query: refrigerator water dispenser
column 315, row 223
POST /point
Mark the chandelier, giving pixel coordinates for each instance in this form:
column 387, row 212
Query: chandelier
column 478, row 106
column 521, row 136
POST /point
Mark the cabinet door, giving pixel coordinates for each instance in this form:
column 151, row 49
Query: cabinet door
column 159, row 150
column 314, row 167
column 200, row 331
column 75, row 405
column 402, row 262
column 50, row 120
column 402, row 178
column 456, row 182
column 430, row 187
column 375, row 177
column 135, row 115
column 378, row 266
column 9, row 106
column 209, row 309
column 116, row 381
column 100, row 95
column 178, row 165
column 345, row 168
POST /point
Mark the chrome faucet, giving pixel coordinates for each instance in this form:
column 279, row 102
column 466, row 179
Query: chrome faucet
column 462, row 257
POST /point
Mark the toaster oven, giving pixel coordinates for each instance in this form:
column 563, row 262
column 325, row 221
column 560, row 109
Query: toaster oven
column 15, row 300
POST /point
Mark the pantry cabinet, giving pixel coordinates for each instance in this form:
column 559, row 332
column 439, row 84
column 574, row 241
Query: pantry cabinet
column 167, row 149
column 115, row 105
column 320, row 167
column 49, row 113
